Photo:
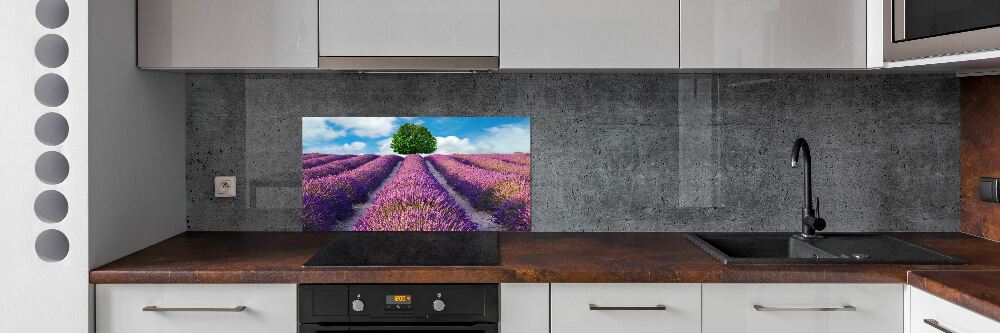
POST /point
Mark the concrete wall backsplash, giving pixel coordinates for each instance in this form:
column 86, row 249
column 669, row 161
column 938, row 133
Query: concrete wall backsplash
column 615, row 152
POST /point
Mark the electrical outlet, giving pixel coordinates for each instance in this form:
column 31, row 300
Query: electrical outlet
column 225, row 187
column 988, row 189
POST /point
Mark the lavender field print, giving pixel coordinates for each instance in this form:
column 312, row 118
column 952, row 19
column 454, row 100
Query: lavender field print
column 416, row 174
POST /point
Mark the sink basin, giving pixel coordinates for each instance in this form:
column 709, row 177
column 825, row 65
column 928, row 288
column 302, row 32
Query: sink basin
column 838, row 248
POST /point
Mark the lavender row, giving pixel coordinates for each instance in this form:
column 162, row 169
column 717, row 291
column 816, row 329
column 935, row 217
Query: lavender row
column 326, row 200
column 413, row 200
column 338, row 166
column 493, row 162
column 518, row 158
column 507, row 196
column 320, row 159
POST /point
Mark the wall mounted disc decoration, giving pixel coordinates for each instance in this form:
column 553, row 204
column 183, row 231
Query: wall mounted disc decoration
column 51, row 206
column 52, row 13
column 51, row 51
column 51, row 90
column 51, row 129
column 52, row 245
column 52, row 168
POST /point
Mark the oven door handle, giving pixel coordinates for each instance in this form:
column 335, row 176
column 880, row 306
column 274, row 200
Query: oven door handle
column 402, row 327
column 485, row 328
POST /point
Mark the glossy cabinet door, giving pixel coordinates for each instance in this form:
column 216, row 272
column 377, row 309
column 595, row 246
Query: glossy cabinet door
column 774, row 34
column 524, row 308
column 803, row 308
column 227, row 34
column 930, row 314
column 589, row 34
column 626, row 307
column 401, row 28
column 196, row 308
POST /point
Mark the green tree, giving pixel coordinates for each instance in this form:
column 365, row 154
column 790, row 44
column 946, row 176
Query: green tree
column 413, row 139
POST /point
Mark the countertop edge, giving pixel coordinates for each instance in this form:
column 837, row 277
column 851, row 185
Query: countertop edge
column 966, row 297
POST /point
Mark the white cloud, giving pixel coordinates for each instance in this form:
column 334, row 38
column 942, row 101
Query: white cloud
column 367, row 127
column 505, row 139
column 347, row 148
column 452, row 144
column 315, row 129
column 384, row 147
column 500, row 139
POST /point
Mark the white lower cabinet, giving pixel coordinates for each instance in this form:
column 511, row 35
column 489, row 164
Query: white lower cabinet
column 524, row 308
column 196, row 308
column 626, row 307
column 803, row 308
column 930, row 314
column 569, row 308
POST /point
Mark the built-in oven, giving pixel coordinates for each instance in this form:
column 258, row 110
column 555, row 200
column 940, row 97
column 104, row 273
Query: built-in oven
column 387, row 308
column 916, row 29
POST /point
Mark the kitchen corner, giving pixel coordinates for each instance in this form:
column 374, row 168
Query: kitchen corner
column 500, row 166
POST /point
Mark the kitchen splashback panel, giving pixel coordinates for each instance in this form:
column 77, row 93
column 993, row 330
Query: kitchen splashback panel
column 614, row 152
column 416, row 174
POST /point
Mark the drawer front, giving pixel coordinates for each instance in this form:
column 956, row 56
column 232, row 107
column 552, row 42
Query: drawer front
column 269, row 308
column 642, row 308
column 734, row 308
column 946, row 315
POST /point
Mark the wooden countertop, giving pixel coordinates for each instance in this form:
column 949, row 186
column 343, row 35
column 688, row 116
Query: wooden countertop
column 276, row 257
column 978, row 291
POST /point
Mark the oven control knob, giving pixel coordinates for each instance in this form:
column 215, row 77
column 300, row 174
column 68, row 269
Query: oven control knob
column 438, row 305
column 358, row 305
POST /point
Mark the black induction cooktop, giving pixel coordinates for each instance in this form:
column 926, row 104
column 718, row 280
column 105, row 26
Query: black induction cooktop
column 409, row 249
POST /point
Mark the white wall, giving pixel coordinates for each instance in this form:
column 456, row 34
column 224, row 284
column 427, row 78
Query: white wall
column 37, row 295
column 124, row 188
column 137, row 187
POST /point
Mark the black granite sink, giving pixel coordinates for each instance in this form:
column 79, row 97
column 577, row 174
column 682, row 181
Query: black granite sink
column 834, row 248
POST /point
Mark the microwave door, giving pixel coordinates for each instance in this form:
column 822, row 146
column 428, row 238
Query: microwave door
column 916, row 19
column 915, row 29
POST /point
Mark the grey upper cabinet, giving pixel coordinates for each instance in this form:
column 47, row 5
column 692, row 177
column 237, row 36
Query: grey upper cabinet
column 220, row 34
column 780, row 34
column 408, row 28
column 510, row 34
column 589, row 34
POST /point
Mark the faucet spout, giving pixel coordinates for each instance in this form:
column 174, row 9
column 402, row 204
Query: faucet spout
column 802, row 146
column 810, row 222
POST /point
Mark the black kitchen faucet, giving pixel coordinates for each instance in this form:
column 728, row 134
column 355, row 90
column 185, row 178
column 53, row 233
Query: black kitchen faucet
column 810, row 221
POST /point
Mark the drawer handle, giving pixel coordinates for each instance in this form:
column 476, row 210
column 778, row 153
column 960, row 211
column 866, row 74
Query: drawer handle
column 759, row 307
column 935, row 324
column 154, row 308
column 595, row 307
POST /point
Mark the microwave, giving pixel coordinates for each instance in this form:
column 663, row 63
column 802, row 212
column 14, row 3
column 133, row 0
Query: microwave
column 915, row 29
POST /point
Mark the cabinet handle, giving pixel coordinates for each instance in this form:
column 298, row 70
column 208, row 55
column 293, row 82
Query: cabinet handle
column 154, row 308
column 759, row 307
column 935, row 324
column 595, row 307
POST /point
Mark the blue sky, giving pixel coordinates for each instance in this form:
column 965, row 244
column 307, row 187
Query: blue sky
column 372, row 135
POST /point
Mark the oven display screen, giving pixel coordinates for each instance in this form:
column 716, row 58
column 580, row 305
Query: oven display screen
column 398, row 299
